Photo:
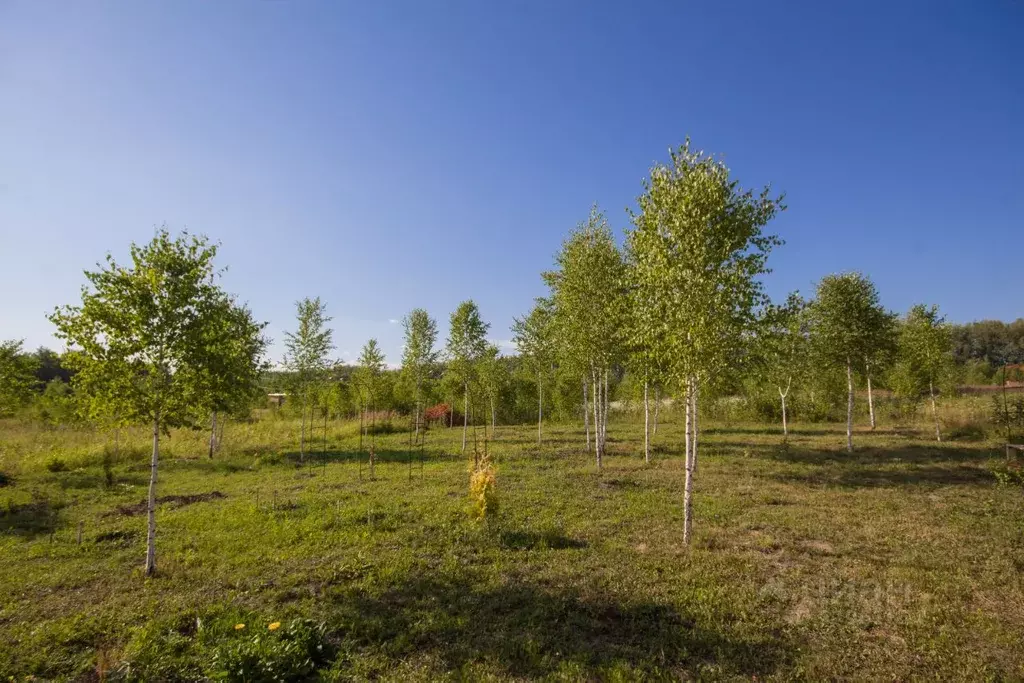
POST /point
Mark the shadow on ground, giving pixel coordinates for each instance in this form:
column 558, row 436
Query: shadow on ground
column 526, row 631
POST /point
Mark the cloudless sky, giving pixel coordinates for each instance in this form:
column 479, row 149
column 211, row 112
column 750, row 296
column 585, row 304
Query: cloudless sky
column 387, row 155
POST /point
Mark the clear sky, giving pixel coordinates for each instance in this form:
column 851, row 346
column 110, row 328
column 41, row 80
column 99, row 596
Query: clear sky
column 388, row 155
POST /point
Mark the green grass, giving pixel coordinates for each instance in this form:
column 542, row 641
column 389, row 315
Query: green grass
column 901, row 561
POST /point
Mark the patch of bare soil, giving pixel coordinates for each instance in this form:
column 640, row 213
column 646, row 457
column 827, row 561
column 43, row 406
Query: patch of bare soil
column 175, row 501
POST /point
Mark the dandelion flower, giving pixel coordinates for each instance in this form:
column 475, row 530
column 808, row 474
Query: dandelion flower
column 239, row 627
column 273, row 627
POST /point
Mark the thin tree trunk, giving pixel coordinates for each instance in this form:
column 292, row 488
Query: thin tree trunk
column 325, row 434
column 693, row 417
column 416, row 410
column 465, row 416
column 785, row 425
column 362, row 421
column 657, row 407
column 604, row 416
column 586, row 413
column 302, row 432
column 540, row 408
column 494, row 417
column 597, row 421
column 647, row 426
column 849, row 406
column 151, row 502
column 871, row 401
column 688, row 485
column 935, row 412
column 213, row 433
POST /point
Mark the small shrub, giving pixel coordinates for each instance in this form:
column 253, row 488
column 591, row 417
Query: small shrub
column 1009, row 473
column 483, row 490
column 289, row 653
column 965, row 431
column 108, row 468
column 5, row 479
column 56, row 465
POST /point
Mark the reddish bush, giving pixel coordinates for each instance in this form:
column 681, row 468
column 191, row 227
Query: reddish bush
column 442, row 412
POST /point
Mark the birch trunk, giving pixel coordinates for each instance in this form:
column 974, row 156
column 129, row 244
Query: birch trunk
column 494, row 418
column 586, row 413
column 302, row 432
column 693, row 419
column 540, row 408
column 213, row 433
column 849, row 406
column 647, row 427
column 785, row 425
column 688, row 485
column 465, row 416
column 935, row 412
column 871, row 401
column 604, row 416
column 657, row 407
column 151, row 502
column 597, row 421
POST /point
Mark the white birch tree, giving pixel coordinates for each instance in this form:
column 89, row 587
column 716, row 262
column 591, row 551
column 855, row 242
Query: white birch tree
column 306, row 355
column 698, row 248
column 419, row 355
column 845, row 321
column 587, row 312
column 150, row 342
column 783, row 343
column 926, row 347
column 467, row 342
column 532, row 335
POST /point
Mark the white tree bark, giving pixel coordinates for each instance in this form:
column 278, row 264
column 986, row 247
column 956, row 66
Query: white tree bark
column 693, row 418
column 213, row 433
column 302, row 431
column 688, row 485
column 151, row 501
column 849, row 406
column 540, row 408
column 935, row 412
column 604, row 415
column 597, row 420
column 871, row 401
column 465, row 416
column 647, row 426
column 783, row 394
column 657, row 408
column 586, row 413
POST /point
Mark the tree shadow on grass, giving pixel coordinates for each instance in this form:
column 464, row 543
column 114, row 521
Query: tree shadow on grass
column 905, row 466
column 521, row 631
column 918, row 476
column 36, row 518
column 905, row 454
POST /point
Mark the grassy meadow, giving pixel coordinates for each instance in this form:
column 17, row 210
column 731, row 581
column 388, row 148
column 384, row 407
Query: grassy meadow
column 901, row 561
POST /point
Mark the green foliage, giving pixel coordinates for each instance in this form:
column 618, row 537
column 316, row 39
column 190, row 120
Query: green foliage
column 467, row 342
column 157, row 339
column 307, row 347
column 418, row 354
column 370, row 373
column 585, row 308
column 17, row 377
column 925, row 351
column 697, row 251
column 292, row 652
column 847, row 322
column 57, row 404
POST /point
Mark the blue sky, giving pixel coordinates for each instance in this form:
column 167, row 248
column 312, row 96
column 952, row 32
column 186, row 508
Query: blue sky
column 388, row 155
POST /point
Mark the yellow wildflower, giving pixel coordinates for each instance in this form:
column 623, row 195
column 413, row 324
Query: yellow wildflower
column 273, row 627
column 239, row 627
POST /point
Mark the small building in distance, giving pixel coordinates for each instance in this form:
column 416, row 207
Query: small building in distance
column 276, row 400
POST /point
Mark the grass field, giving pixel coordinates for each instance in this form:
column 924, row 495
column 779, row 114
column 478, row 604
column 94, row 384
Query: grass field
column 900, row 561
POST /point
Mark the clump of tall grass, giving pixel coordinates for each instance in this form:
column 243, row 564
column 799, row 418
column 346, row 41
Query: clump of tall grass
column 483, row 489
